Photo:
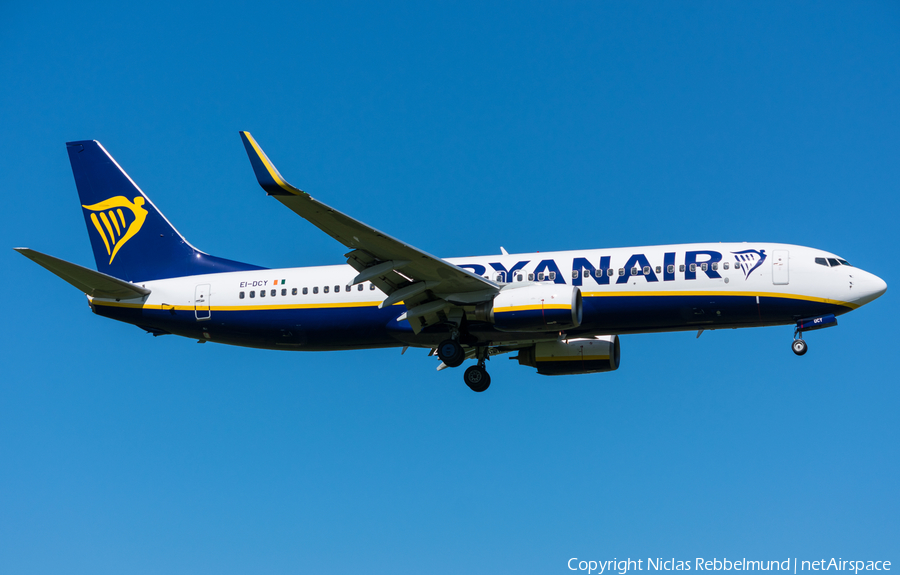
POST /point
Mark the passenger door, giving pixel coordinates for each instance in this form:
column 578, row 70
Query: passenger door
column 780, row 275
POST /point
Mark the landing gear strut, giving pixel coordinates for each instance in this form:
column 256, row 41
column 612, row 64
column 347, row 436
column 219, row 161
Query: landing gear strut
column 799, row 346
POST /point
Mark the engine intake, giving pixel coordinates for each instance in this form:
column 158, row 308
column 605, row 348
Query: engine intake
column 540, row 307
column 573, row 356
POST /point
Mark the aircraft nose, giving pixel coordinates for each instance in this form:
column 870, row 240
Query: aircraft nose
column 869, row 287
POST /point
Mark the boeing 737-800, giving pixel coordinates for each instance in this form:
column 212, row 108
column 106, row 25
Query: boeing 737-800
column 560, row 312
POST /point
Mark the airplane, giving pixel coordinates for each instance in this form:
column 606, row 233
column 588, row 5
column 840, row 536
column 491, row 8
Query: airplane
column 560, row 312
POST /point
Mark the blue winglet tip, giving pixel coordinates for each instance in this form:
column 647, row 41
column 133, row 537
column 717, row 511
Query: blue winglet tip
column 266, row 174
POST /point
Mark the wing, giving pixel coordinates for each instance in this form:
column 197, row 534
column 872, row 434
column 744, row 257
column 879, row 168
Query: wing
column 426, row 283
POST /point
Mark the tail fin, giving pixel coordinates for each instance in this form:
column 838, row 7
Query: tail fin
column 131, row 239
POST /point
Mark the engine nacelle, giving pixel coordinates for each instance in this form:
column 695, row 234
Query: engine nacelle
column 574, row 356
column 537, row 307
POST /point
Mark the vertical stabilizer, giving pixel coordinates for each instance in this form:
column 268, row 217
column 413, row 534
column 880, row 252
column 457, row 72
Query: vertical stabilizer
column 131, row 239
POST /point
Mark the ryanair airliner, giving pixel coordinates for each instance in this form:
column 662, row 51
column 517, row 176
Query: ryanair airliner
column 559, row 312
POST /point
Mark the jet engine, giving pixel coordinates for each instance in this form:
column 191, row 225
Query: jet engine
column 537, row 307
column 574, row 356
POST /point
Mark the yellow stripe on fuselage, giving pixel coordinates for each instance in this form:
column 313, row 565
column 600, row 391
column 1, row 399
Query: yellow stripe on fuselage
column 531, row 307
column 500, row 310
column 575, row 358
column 167, row 307
column 719, row 293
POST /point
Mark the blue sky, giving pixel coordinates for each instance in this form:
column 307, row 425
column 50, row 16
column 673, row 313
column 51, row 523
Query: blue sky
column 459, row 127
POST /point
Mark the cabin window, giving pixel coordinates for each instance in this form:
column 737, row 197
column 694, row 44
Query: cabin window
column 552, row 275
column 262, row 293
column 634, row 271
column 610, row 272
column 681, row 267
column 659, row 269
column 621, row 271
column 283, row 291
column 703, row 267
column 273, row 292
column 693, row 267
column 337, row 289
column 541, row 276
column 598, row 273
column 371, row 287
column 316, row 289
column 670, row 269
column 348, row 288
column 574, row 274
column 294, row 291
column 725, row 266
column 252, row 293
column 715, row 265
column 519, row 277
column 325, row 289
column 647, row 270
column 834, row 263
column 241, row 295
column 359, row 287
column 531, row 277
column 305, row 291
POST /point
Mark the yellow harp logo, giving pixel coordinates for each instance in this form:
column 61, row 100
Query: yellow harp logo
column 109, row 219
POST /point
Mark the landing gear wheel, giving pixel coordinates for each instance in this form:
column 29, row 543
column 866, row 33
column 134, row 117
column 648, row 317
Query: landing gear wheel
column 451, row 353
column 799, row 346
column 477, row 378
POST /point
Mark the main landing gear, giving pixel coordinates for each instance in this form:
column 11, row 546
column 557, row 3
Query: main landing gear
column 452, row 354
column 477, row 378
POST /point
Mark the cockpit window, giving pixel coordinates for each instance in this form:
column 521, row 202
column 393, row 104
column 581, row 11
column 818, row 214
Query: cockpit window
column 822, row 262
column 844, row 262
column 833, row 261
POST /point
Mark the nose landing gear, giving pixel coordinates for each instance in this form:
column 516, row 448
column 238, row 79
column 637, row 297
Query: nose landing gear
column 799, row 346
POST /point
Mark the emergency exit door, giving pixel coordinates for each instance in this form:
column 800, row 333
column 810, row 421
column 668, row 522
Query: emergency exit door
column 201, row 302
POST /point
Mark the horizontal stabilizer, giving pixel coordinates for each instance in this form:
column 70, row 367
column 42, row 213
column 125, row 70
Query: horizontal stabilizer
column 94, row 284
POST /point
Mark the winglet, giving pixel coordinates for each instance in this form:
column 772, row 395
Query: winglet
column 268, row 177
